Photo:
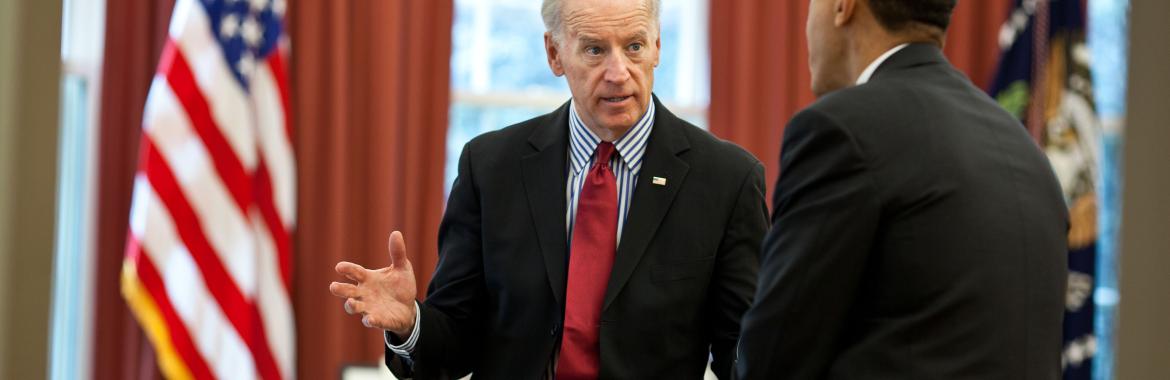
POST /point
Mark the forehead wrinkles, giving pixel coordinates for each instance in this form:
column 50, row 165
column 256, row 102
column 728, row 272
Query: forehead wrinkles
column 587, row 20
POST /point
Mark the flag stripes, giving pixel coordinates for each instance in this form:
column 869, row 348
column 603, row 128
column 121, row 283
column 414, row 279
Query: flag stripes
column 208, row 264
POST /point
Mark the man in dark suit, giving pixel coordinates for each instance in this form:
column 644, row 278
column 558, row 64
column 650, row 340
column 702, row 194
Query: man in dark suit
column 918, row 232
column 607, row 239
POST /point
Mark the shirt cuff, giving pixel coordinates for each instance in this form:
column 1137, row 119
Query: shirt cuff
column 406, row 348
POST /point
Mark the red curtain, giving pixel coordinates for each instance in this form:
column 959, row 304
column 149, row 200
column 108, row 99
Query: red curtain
column 370, row 98
column 759, row 66
column 370, row 92
column 135, row 32
column 973, row 38
column 759, row 74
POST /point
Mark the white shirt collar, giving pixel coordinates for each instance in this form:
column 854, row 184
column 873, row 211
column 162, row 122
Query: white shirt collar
column 865, row 75
column 631, row 147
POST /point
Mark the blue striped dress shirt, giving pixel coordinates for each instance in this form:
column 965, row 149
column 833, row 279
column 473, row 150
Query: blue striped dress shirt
column 626, row 164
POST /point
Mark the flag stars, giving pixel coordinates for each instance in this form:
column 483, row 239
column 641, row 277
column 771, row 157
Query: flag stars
column 252, row 33
column 246, row 65
column 278, row 7
column 258, row 5
column 243, row 32
column 229, row 27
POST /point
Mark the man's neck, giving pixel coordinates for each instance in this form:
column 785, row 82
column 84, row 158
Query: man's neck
column 608, row 135
column 876, row 41
column 869, row 51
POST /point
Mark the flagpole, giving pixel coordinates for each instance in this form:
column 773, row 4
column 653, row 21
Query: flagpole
column 1040, row 58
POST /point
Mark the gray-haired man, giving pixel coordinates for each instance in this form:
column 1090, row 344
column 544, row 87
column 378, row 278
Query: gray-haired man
column 607, row 239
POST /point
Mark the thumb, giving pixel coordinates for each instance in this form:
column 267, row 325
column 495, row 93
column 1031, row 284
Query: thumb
column 397, row 248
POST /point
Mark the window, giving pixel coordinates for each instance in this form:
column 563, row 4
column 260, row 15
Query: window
column 500, row 76
column 83, row 26
column 1108, row 38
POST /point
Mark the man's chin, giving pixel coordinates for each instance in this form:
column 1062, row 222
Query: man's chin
column 618, row 123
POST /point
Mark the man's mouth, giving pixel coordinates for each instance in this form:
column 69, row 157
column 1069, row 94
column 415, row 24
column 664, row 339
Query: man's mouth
column 616, row 99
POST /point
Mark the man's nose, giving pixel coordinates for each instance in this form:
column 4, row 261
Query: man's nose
column 617, row 68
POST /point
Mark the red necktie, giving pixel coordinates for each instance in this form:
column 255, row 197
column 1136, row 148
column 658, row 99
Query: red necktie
column 590, row 260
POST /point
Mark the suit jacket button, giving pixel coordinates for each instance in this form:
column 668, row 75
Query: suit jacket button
column 553, row 331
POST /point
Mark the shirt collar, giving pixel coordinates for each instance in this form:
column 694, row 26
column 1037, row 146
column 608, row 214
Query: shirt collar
column 630, row 147
column 868, row 73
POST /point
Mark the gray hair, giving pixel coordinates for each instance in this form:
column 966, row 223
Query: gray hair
column 551, row 11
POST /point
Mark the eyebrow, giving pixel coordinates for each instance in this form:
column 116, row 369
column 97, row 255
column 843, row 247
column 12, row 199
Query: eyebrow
column 588, row 39
column 639, row 35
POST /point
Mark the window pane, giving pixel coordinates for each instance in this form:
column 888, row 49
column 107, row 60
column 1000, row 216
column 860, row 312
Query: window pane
column 70, row 273
column 82, row 46
column 499, row 46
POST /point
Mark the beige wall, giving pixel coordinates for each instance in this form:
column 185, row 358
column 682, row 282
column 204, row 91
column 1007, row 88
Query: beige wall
column 1143, row 332
column 7, row 18
column 30, row 35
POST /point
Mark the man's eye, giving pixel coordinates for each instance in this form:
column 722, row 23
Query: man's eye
column 593, row 50
column 635, row 47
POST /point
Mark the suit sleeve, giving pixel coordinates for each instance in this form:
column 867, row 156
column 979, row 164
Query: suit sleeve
column 823, row 223
column 449, row 328
column 737, row 265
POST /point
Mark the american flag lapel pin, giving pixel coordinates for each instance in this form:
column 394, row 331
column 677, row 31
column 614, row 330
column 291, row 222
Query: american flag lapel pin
column 658, row 181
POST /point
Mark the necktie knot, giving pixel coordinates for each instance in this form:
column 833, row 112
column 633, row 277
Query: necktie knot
column 605, row 152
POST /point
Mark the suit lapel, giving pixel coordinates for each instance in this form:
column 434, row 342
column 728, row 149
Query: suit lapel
column 650, row 202
column 543, row 173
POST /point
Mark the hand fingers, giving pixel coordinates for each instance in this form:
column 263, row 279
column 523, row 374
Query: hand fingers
column 353, row 306
column 343, row 290
column 351, row 271
column 397, row 247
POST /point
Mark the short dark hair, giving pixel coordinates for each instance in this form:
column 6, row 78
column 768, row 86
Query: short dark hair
column 897, row 14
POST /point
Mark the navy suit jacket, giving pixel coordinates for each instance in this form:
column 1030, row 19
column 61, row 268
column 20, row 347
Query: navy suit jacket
column 918, row 233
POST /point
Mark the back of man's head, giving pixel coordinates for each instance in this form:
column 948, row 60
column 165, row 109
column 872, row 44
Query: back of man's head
column 844, row 36
column 898, row 15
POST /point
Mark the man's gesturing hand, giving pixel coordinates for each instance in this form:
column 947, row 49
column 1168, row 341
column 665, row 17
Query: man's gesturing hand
column 384, row 297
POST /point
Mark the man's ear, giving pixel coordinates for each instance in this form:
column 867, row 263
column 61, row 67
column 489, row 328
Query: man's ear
column 554, row 55
column 843, row 12
column 657, row 48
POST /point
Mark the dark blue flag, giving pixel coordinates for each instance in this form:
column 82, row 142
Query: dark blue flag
column 1046, row 82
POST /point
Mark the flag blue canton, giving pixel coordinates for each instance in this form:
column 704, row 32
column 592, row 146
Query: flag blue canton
column 247, row 30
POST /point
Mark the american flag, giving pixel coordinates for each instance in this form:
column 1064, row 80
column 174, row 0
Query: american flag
column 208, row 256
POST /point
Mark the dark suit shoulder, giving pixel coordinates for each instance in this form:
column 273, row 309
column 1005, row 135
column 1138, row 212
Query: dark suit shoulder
column 735, row 154
column 922, row 106
column 910, row 96
column 512, row 136
column 501, row 149
column 862, row 104
column 725, row 155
